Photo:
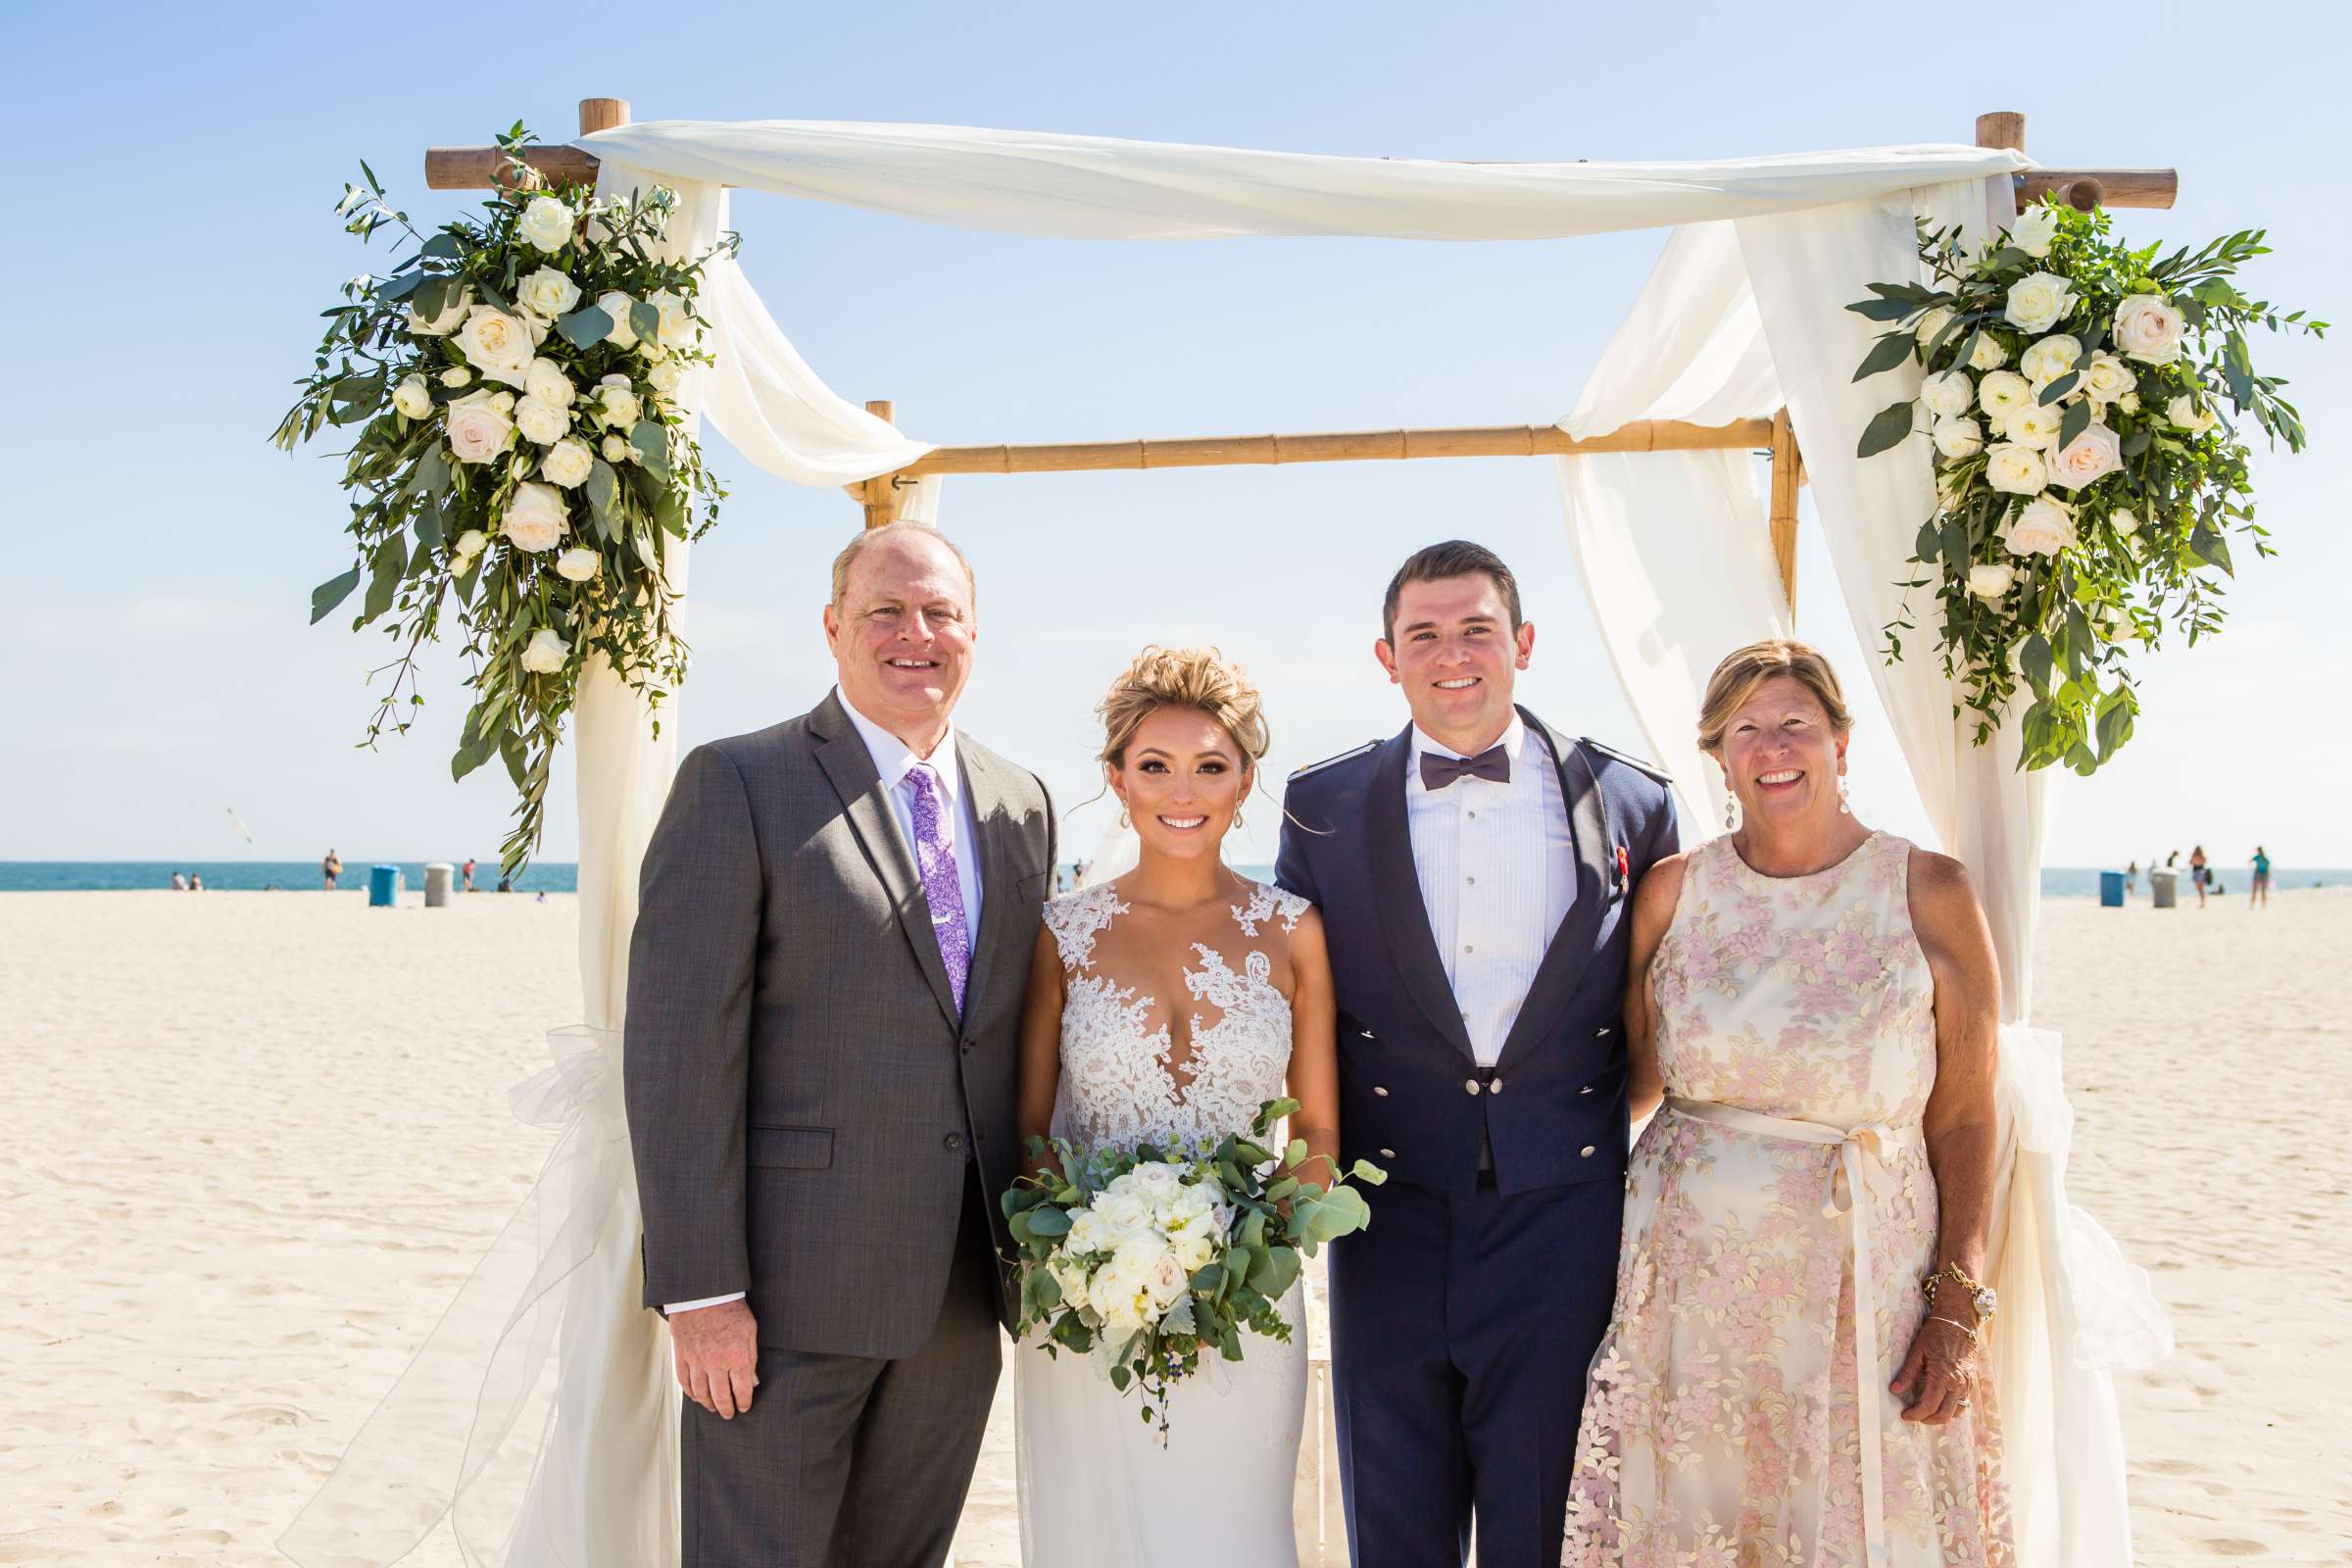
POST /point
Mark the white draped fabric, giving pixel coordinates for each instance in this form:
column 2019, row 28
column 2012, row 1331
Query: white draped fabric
column 1744, row 313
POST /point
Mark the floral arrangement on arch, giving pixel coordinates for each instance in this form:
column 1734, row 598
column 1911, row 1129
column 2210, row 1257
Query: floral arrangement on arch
column 2087, row 479
column 522, row 463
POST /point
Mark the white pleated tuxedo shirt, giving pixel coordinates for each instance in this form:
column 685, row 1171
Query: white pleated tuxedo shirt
column 1498, row 869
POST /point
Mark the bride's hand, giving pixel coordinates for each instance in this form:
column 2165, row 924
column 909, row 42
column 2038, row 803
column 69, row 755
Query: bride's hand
column 1938, row 1378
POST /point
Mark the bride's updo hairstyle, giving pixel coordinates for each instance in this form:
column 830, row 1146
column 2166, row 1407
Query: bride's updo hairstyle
column 1744, row 669
column 1199, row 678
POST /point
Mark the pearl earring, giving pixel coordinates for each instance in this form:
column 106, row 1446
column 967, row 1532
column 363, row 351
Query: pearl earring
column 1844, row 809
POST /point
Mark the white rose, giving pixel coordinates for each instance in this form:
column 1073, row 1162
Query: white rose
column 1166, row 1279
column 567, row 462
column 665, row 376
column 2107, row 379
column 1946, row 393
column 578, row 564
column 1934, row 322
column 2038, row 301
column 2002, row 393
column 543, row 422
column 2148, row 327
column 546, row 653
column 2124, row 522
column 1157, row 1182
column 470, row 544
column 452, row 311
column 535, row 518
column 2014, row 469
column 2035, row 227
column 2093, row 455
column 615, row 450
column 2035, row 426
column 2042, row 526
column 1123, row 1214
column 1958, row 438
column 1194, row 1247
column 546, row 381
column 2047, row 358
column 496, row 344
column 678, row 330
column 504, row 403
column 479, row 429
column 1990, row 581
column 547, row 223
column 1071, row 1277
column 413, row 398
column 547, row 293
column 456, row 376
column 2128, row 402
column 618, row 407
column 2186, row 412
column 1987, row 354
column 616, row 304
column 1086, row 1233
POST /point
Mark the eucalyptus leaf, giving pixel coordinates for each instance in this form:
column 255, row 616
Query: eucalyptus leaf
column 331, row 593
column 2073, row 424
column 443, row 247
column 2060, row 387
column 1888, row 429
column 1892, row 349
column 391, row 563
column 646, row 321
column 585, row 327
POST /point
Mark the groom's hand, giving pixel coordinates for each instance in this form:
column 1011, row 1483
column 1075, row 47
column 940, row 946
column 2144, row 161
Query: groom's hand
column 716, row 1351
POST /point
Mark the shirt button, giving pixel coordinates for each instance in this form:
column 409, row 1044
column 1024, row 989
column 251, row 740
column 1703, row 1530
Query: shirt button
column 1495, row 1088
column 1470, row 1086
column 1473, row 881
column 955, row 1143
column 1467, row 948
column 1387, row 1153
column 1588, row 1153
column 1378, row 1090
column 1473, row 815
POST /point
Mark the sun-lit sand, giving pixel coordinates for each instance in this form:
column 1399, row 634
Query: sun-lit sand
column 255, row 1141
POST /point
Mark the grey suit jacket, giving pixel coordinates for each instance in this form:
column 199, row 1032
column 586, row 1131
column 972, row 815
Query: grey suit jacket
column 802, row 1098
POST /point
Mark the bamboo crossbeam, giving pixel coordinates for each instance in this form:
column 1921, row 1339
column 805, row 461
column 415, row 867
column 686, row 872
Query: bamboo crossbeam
column 1345, row 446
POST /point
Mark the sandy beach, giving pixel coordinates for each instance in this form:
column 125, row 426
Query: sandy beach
column 255, row 1141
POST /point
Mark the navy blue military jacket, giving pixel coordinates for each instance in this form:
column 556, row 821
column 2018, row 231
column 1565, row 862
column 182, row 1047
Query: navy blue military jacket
column 1413, row 1099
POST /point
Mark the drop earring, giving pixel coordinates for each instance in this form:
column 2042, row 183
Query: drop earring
column 1731, row 812
column 1123, row 818
column 1844, row 809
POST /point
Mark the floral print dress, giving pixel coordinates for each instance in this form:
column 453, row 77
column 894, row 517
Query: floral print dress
column 1721, row 1426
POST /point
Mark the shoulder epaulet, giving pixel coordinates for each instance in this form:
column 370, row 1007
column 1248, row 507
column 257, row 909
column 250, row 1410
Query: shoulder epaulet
column 1328, row 762
column 1634, row 763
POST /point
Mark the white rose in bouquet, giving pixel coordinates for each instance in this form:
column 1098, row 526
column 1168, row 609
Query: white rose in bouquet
column 413, row 397
column 1071, row 1277
column 2047, row 358
column 2106, row 379
column 2190, row 415
column 678, row 330
column 456, row 376
column 2035, row 227
column 665, row 376
column 616, row 304
column 2035, row 426
column 547, row 293
column 2038, row 301
column 1145, row 1262
column 496, row 344
column 535, row 518
column 1988, row 355
column 1934, row 322
column 1947, row 393
column 543, row 422
column 504, row 403
column 618, row 407
column 479, row 429
column 2148, row 327
column 452, row 312
column 567, row 462
column 2093, row 455
column 2124, row 522
column 1086, row 1233
column 1991, row 581
column 2002, row 393
column 2040, row 527
column 547, row 223
column 1155, row 1182
column 1123, row 1214
column 546, row 653
column 2015, row 471
column 2128, row 402
column 615, row 450
column 578, row 564
column 546, row 381
column 470, row 544
column 1958, row 438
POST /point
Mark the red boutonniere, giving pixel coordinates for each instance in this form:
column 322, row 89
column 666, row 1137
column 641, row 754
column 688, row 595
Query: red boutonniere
column 1625, row 869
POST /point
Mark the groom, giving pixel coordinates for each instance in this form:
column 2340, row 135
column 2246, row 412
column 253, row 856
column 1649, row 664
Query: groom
column 1475, row 873
column 825, row 986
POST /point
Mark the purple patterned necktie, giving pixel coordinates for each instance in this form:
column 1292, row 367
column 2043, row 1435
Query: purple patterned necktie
column 935, row 858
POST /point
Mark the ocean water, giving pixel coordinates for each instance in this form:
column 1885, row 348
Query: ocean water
column 562, row 877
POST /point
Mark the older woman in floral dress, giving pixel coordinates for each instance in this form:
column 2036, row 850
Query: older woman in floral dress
column 1791, row 1375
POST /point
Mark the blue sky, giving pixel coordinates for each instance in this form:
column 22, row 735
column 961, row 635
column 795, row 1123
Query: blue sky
column 170, row 242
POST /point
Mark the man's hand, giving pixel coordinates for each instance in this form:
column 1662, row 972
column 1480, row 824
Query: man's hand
column 716, row 1352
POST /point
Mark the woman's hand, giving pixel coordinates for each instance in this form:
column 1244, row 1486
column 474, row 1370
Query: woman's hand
column 1938, row 1378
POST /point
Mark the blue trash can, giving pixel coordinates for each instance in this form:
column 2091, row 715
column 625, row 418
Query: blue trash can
column 383, row 887
column 2111, row 890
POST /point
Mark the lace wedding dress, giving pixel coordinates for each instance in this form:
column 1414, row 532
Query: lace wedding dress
column 1098, row 1485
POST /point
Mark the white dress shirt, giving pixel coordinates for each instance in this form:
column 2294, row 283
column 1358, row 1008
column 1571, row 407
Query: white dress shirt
column 894, row 761
column 1498, row 869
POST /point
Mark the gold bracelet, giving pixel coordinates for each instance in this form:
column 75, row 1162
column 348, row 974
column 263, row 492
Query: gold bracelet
column 1971, row 1331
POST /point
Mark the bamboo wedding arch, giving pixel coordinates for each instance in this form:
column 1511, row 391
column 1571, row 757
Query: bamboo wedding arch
column 486, row 168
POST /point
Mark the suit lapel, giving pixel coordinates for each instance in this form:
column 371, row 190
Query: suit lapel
column 1396, row 899
column 841, row 751
column 1569, row 957
column 998, row 831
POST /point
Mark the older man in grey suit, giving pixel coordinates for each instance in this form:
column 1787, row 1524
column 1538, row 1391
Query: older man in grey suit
column 825, row 987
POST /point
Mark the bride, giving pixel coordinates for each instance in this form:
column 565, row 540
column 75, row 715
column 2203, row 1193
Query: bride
column 1170, row 1005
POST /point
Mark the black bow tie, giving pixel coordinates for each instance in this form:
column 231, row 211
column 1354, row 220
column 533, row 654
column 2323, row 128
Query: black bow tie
column 1437, row 771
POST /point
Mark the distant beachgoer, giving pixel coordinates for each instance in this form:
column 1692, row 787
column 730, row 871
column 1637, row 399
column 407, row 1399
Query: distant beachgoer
column 469, row 874
column 2130, row 879
column 330, row 868
column 2199, row 872
column 2259, row 898
column 506, row 884
column 195, row 882
column 179, row 882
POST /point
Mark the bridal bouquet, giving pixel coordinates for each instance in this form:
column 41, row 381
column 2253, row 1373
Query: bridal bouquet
column 520, row 463
column 2087, row 479
column 1148, row 1257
